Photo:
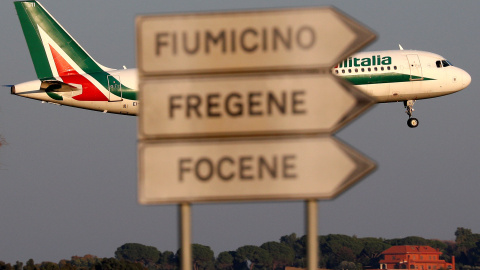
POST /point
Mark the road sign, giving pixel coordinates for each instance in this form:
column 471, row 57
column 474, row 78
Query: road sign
column 250, row 169
column 246, row 106
column 255, row 41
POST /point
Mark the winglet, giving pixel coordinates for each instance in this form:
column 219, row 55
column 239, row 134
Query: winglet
column 401, row 48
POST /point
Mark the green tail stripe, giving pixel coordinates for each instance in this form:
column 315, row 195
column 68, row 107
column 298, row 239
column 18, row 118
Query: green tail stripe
column 31, row 14
column 382, row 78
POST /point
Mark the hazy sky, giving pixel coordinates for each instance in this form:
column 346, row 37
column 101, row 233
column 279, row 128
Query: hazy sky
column 68, row 177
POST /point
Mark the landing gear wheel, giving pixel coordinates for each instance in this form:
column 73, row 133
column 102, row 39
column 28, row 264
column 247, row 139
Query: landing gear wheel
column 412, row 122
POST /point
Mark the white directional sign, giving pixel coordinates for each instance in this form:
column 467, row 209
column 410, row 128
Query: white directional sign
column 240, row 105
column 199, row 171
column 253, row 41
column 254, row 105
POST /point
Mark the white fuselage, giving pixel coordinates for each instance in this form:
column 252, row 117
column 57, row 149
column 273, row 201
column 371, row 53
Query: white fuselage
column 391, row 76
column 388, row 76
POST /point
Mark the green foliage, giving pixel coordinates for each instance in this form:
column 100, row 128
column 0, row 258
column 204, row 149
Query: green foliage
column 203, row 257
column 168, row 261
column 299, row 247
column 114, row 264
column 338, row 251
column 49, row 266
column 138, row 253
column 5, row 266
column 254, row 257
column 225, row 260
column 85, row 262
column 281, row 254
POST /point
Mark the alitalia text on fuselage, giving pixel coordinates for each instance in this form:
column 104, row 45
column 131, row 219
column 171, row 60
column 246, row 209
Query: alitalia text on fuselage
column 374, row 60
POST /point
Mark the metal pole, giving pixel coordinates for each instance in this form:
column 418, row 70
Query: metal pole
column 186, row 236
column 312, row 234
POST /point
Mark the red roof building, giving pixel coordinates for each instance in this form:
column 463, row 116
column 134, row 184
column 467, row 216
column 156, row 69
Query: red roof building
column 414, row 257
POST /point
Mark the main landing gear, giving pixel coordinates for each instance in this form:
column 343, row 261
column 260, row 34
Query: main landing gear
column 412, row 122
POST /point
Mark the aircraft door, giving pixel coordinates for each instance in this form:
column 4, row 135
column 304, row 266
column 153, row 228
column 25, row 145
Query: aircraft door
column 114, row 88
column 415, row 67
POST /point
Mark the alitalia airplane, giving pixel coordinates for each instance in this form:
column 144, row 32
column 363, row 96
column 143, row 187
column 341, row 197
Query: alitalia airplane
column 68, row 75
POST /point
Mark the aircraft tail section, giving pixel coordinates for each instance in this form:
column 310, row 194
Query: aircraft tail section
column 55, row 53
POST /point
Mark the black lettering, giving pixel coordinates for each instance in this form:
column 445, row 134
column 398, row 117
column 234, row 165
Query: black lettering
column 219, row 168
column 250, row 31
column 263, row 165
column 281, row 106
column 265, row 39
column 210, row 38
column 181, row 167
column 298, row 101
column 208, row 167
column 289, row 167
column 245, row 167
column 174, row 43
column 238, row 105
column 172, row 105
column 211, row 104
column 160, row 42
column 278, row 36
column 234, row 41
column 254, row 103
column 196, row 43
column 193, row 103
column 306, row 37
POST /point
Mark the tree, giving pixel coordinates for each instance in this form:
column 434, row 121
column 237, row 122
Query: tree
column 225, row 260
column 18, row 266
column 372, row 251
column 5, row 266
column 254, row 257
column 346, row 266
column 30, row 265
column 299, row 246
column 168, row 261
column 133, row 252
column 203, row 257
column 281, row 254
column 114, row 264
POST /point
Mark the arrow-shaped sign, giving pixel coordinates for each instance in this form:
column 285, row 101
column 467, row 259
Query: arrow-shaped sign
column 259, row 169
column 246, row 106
column 255, row 41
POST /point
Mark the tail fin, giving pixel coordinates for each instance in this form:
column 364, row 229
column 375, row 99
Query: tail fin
column 48, row 41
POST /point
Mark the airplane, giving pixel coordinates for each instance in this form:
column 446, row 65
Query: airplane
column 402, row 75
column 68, row 75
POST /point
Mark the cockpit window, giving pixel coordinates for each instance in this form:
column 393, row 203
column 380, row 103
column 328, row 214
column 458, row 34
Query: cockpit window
column 443, row 63
column 446, row 63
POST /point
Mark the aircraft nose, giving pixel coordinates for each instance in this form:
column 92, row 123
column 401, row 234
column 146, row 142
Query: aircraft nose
column 466, row 79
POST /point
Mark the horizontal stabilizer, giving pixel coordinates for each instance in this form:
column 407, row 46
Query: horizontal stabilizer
column 58, row 86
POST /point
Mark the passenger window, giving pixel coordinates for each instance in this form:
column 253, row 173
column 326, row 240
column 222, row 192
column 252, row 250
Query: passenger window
column 343, row 70
column 363, row 70
column 388, row 68
column 375, row 68
column 395, row 67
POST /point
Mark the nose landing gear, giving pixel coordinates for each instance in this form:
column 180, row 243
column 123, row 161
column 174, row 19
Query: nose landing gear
column 412, row 122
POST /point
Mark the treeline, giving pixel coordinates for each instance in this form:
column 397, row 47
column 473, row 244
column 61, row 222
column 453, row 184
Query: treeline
column 336, row 252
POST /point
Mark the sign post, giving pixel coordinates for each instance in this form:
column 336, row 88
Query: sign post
column 241, row 106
